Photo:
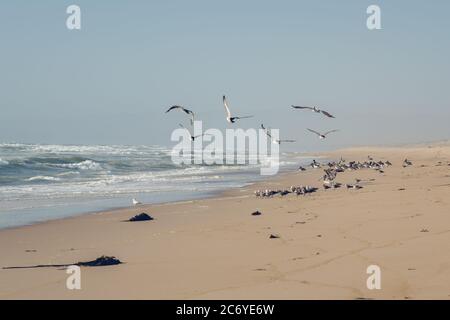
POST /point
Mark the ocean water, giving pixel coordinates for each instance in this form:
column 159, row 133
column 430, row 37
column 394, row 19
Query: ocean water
column 44, row 182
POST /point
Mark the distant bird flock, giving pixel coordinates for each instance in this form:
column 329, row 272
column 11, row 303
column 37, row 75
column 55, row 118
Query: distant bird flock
column 331, row 169
column 231, row 118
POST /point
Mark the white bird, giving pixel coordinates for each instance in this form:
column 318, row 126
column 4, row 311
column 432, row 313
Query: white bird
column 274, row 141
column 314, row 109
column 193, row 137
column 187, row 111
column 320, row 135
column 135, row 202
column 230, row 118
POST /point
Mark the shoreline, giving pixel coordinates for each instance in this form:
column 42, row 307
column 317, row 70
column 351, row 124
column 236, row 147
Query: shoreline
column 212, row 194
column 214, row 248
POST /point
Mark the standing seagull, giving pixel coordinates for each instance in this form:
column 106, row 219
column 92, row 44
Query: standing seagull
column 322, row 136
column 275, row 141
column 231, row 119
column 135, row 202
column 315, row 109
column 193, row 137
column 187, row 111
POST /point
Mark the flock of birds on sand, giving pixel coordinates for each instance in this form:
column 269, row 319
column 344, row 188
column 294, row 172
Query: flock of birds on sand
column 331, row 169
column 232, row 118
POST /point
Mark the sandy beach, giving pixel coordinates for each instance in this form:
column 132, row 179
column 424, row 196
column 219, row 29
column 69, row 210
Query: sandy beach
column 215, row 248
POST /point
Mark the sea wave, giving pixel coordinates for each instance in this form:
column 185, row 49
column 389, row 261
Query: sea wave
column 43, row 178
column 83, row 165
column 83, row 149
column 37, row 175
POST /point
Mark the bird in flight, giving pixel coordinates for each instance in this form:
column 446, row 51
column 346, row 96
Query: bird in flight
column 187, row 111
column 230, row 118
column 193, row 137
column 275, row 141
column 320, row 135
column 314, row 109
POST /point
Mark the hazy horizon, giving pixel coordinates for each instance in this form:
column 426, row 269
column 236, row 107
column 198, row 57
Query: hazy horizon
column 111, row 81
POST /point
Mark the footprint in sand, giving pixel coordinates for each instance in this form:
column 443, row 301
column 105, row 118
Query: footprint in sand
column 297, row 258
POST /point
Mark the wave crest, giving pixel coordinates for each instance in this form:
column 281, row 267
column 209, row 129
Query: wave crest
column 83, row 165
column 43, row 178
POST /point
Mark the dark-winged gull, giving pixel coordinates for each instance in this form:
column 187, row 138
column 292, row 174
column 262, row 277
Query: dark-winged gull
column 275, row 141
column 320, row 135
column 187, row 111
column 193, row 137
column 314, row 109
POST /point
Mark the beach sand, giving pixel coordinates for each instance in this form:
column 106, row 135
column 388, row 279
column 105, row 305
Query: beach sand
column 215, row 248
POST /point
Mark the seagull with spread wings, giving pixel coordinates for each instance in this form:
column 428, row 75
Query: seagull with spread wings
column 320, row 135
column 314, row 109
column 193, row 137
column 187, row 111
column 275, row 141
column 230, row 118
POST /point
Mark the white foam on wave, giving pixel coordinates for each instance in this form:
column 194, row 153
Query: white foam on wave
column 93, row 149
column 3, row 162
column 43, row 178
column 83, row 165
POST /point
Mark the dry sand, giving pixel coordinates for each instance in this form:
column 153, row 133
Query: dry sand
column 215, row 248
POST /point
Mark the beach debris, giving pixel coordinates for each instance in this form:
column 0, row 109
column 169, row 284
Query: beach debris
column 353, row 186
column 141, row 217
column 274, row 236
column 256, row 213
column 407, row 163
column 99, row 262
column 424, row 230
column 30, row 250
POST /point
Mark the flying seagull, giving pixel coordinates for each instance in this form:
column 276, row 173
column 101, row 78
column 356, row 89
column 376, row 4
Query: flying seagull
column 193, row 137
column 187, row 111
column 320, row 135
column 275, row 141
column 231, row 119
column 314, row 109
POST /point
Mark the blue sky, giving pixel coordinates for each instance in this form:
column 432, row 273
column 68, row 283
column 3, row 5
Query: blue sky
column 111, row 82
